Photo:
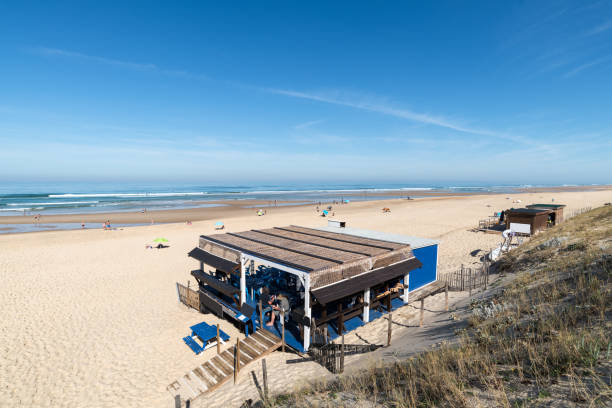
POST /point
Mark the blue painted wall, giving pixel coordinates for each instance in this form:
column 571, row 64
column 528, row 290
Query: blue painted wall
column 427, row 273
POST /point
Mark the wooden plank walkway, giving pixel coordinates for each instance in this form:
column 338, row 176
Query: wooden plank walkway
column 218, row 370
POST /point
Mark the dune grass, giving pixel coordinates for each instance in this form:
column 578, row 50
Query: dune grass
column 543, row 340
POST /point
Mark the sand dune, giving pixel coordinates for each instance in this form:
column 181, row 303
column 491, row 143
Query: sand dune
column 91, row 319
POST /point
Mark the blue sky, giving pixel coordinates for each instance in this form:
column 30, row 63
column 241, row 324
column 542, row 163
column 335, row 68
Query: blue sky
column 318, row 92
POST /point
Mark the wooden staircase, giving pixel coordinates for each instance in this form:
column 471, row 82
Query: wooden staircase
column 213, row 373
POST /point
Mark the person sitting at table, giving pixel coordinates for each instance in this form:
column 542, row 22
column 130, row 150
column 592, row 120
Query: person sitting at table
column 278, row 304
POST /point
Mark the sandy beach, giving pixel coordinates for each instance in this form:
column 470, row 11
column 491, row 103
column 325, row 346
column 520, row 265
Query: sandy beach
column 90, row 318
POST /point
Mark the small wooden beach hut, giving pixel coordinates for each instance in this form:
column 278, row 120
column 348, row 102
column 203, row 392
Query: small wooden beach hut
column 527, row 221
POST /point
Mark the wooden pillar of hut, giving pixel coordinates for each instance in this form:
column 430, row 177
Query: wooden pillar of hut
column 307, row 313
column 324, row 318
column 366, row 305
column 243, row 264
column 406, row 290
column 340, row 319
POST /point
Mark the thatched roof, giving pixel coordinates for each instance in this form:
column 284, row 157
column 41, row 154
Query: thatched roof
column 328, row 257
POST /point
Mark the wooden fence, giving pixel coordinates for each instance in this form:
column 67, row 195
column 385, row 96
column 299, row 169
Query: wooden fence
column 574, row 213
column 188, row 296
column 331, row 355
column 468, row 278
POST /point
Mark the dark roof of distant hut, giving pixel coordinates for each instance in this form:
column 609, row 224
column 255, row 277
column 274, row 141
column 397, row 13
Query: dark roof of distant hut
column 547, row 206
column 528, row 211
column 328, row 257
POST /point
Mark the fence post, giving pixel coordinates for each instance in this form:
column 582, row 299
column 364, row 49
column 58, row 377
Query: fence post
column 462, row 283
column 283, row 330
column 342, row 355
column 470, row 282
column 236, row 360
column 389, row 329
column 218, row 340
column 446, row 296
column 485, row 271
column 265, row 379
column 177, row 401
column 422, row 312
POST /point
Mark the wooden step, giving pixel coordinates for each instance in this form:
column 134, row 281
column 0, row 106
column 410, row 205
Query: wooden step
column 213, row 371
column 248, row 350
column 254, row 345
column 197, row 382
column 270, row 336
column 219, row 369
column 228, row 358
column 198, row 371
column 262, row 339
column 219, row 363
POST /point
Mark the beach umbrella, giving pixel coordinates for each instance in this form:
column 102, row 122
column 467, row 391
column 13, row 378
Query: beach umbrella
column 325, row 212
column 160, row 240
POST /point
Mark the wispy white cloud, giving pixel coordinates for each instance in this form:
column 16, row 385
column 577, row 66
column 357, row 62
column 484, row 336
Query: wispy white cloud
column 56, row 52
column 338, row 98
column 599, row 29
column 582, row 67
column 308, row 124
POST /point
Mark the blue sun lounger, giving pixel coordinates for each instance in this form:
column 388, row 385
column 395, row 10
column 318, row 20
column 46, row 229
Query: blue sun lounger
column 207, row 334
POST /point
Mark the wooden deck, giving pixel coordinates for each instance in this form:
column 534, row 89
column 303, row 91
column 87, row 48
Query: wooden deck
column 210, row 375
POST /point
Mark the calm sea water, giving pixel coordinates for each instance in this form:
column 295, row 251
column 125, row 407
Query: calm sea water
column 67, row 198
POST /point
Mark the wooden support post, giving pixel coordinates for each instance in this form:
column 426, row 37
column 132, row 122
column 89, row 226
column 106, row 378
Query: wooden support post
column 406, row 288
column 177, row 401
column 389, row 302
column 261, row 322
column 422, row 312
column 389, row 329
column 462, row 284
column 265, row 379
column 243, row 262
column 446, row 296
column 218, row 340
column 307, row 313
column 187, row 403
column 366, row 305
column 342, row 356
column 340, row 319
column 324, row 317
column 283, row 330
column 313, row 330
column 237, row 360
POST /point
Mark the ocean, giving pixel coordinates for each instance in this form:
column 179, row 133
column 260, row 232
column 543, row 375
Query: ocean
column 70, row 198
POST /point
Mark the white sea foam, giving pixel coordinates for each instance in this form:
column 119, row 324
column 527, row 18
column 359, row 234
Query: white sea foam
column 55, row 203
column 202, row 193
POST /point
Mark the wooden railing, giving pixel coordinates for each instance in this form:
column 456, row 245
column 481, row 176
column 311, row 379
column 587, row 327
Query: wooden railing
column 468, row 278
column 188, row 296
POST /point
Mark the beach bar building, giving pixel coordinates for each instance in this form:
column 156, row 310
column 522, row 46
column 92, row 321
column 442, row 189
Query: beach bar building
column 335, row 278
